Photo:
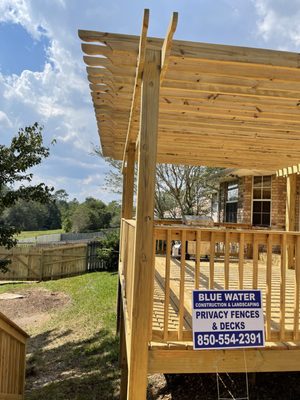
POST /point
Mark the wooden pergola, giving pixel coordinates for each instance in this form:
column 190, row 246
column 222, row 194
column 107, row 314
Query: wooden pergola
column 170, row 101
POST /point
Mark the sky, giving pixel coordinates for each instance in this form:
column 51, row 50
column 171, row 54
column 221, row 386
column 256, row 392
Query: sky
column 43, row 77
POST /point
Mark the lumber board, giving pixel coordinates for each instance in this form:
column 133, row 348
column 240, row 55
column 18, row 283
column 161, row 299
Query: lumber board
column 137, row 85
column 220, row 94
column 189, row 361
column 166, row 47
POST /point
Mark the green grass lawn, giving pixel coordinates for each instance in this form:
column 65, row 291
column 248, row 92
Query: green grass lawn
column 74, row 355
column 30, row 234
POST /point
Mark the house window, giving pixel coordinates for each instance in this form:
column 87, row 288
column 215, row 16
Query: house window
column 261, row 214
column 231, row 202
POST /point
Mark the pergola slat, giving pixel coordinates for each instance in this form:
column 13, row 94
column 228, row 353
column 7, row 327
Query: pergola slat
column 219, row 105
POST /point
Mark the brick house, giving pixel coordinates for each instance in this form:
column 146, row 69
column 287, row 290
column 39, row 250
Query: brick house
column 256, row 200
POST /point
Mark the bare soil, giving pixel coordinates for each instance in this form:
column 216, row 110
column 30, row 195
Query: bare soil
column 34, row 307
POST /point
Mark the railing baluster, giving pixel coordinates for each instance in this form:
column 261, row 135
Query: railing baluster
column 282, row 285
column 255, row 263
column 241, row 260
column 197, row 261
column 297, row 288
column 181, row 290
column 226, row 261
column 212, row 261
column 167, row 285
column 152, row 284
column 269, row 287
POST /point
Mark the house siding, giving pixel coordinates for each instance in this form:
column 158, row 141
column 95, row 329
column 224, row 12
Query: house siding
column 278, row 203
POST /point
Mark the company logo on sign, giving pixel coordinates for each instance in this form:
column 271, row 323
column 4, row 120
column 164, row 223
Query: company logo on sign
column 227, row 319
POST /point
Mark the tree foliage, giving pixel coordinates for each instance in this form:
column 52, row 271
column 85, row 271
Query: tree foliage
column 24, row 152
column 33, row 216
column 90, row 216
column 180, row 189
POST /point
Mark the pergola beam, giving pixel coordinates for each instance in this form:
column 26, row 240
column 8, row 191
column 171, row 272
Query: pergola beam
column 167, row 45
column 295, row 169
column 137, row 84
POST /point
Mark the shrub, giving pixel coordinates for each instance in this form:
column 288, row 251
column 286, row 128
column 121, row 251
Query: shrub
column 108, row 251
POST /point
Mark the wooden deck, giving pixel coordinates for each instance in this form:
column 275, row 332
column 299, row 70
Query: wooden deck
column 168, row 354
column 170, row 347
column 189, row 285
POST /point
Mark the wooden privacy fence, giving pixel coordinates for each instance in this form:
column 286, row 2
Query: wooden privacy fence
column 37, row 263
column 12, row 360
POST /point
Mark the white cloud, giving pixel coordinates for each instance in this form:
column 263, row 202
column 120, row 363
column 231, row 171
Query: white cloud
column 19, row 12
column 5, row 122
column 279, row 22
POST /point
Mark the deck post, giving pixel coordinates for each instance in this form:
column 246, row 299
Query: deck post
column 290, row 220
column 123, row 355
column 128, row 184
column 127, row 213
column 144, row 263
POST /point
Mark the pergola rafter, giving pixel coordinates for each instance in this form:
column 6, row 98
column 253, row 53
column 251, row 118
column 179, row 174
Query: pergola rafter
column 230, row 106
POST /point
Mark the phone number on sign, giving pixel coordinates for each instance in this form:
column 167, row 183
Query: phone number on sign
column 228, row 339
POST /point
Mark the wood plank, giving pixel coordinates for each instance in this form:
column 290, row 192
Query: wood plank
column 144, row 263
column 212, row 261
column 241, row 261
column 128, row 184
column 283, row 266
column 269, row 287
column 228, row 361
column 297, row 290
column 167, row 285
column 255, row 263
column 166, row 47
column 290, row 217
column 182, row 281
column 197, row 51
column 138, row 81
column 197, row 261
column 226, row 260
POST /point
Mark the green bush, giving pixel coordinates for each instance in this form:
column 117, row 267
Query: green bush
column 108, row 251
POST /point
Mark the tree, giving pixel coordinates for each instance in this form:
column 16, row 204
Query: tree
column 180, row 189
column 90, row 216
column 114, row 208
column 186, row 189
column 25, row 151
column 32, row 215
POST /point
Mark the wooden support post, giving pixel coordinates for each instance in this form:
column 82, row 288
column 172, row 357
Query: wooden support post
column 144, row 263
column 137, row 86
column 290, row 220
column 123, row 355
column 128, row 184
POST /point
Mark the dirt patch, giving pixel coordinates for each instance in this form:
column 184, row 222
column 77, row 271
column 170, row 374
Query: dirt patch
column 34, row 307
column 259, row 386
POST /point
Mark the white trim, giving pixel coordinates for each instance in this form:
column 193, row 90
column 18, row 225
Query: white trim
column 265, row 200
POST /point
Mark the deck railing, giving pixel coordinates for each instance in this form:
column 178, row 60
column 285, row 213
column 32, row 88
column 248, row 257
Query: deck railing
column 177, row 277
column 127, row 262
column 258, row 262
column 12, row 360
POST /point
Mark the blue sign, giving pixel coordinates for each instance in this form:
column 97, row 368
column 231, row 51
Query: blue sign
column 227, row 319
